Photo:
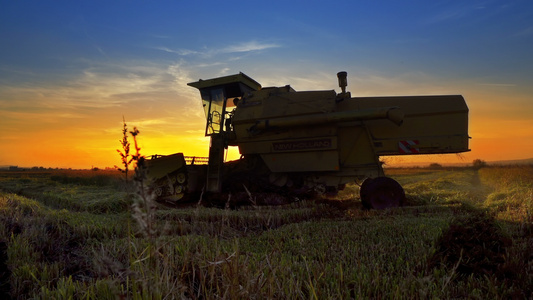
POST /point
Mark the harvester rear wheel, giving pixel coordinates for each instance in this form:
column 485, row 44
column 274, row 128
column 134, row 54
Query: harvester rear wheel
column 381, row 193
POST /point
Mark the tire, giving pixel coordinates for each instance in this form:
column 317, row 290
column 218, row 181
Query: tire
column 381, row 193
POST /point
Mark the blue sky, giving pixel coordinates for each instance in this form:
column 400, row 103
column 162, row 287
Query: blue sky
column 69, row 70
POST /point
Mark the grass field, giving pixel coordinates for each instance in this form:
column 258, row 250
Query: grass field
column 464, row 233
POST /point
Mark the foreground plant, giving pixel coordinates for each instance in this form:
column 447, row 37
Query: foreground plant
column 152, row 269
column 125, row 152
column 144, row 207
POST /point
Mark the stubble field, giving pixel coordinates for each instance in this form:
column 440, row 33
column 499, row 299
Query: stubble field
column 464, row 233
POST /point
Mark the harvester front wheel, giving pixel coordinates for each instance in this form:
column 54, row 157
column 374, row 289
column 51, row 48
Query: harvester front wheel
column 381, row 193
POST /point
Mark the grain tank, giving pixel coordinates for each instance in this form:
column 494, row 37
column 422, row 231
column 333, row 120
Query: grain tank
column 319, row 140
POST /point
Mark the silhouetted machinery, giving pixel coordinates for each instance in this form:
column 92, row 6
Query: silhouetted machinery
column 295, row 142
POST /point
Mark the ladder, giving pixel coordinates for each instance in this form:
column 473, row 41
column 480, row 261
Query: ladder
column 216, row 163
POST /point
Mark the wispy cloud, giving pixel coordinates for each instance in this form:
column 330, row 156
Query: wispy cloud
column 248, row 46
column 97, row 87
column 182, row 52
column 101, row 51
column 497, row 84
column 208, row 65
column 242, row 47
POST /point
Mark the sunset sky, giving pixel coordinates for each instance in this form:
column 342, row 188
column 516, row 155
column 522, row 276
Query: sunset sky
column 70, row 70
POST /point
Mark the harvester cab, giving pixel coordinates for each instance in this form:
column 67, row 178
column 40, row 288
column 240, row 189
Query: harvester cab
column 219, row 98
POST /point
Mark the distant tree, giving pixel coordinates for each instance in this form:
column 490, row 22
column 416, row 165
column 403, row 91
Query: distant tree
column 435, row 166
column 478, row 164
column 125, row 156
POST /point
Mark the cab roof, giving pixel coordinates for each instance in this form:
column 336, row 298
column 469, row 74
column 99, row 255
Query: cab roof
column 227, row 81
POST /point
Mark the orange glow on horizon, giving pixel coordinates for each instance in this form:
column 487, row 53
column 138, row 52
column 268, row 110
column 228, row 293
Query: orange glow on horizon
column 490, row 142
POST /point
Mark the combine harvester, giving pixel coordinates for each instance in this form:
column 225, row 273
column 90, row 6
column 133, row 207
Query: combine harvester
column 292, row 142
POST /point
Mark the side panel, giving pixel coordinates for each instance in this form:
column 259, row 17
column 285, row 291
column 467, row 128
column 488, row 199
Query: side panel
column 432, row 124
column 297, row 155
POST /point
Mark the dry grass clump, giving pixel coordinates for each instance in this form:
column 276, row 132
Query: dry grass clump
column 41, row 246
column 507, row 176
column 512, row 191
column 441, row 187
column 81, row 192
column 477, row 252
column 473, row 245
column 512, row 201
